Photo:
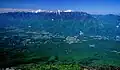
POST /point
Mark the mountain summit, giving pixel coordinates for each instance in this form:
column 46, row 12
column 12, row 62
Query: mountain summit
column 6, row 10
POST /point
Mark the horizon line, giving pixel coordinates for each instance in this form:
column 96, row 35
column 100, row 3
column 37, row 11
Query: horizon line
column 5, row 10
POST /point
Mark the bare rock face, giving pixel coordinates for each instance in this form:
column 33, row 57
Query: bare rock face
column 52, row 59
column 92, row 45
column 71, row 40
column 117, row 38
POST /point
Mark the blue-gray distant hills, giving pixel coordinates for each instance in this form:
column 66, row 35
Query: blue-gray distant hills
column 64, row 23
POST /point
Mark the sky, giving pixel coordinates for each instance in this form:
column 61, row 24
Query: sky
column 89, row 6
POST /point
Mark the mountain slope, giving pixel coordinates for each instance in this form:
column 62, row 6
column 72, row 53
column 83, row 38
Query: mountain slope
column 65, row 23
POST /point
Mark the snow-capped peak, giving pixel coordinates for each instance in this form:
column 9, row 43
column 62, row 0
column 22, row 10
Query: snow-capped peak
column 58, row 11
column 68, row 11
column 39, row 10
column 32, row 10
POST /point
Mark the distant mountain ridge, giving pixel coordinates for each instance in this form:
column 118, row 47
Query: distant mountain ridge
column 6, row 10
column 64, row 22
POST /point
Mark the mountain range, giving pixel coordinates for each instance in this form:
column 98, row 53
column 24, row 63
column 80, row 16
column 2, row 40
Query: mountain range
column 66, row 22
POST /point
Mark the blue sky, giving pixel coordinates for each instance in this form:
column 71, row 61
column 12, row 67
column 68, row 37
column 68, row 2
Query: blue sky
column 90, row 6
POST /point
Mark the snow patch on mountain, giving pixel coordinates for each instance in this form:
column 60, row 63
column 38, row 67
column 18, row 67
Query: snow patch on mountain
column 68, row 11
